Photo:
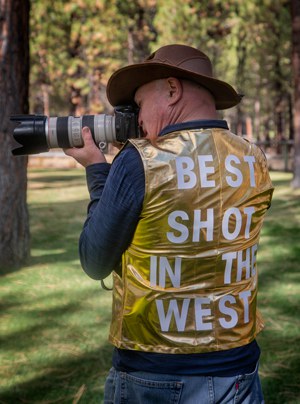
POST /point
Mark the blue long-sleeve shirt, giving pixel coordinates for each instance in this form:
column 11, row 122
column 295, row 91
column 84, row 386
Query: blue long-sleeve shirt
column 116, row 201
column 117, row 194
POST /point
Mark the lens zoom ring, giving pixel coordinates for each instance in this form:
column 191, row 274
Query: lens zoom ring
column 62, row 132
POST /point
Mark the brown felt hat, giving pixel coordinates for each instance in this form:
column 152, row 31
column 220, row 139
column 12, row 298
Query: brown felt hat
column 181, row 61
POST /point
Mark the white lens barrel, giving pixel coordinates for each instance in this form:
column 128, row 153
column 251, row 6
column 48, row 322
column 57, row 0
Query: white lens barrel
column 74, row 131
column 104, row 129
column 51, row 133
column 69, row 134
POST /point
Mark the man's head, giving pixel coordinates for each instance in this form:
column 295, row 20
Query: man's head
column 179, row 61
column 168, row 101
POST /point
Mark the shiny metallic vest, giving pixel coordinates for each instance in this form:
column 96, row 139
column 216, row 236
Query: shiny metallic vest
column 189, row 277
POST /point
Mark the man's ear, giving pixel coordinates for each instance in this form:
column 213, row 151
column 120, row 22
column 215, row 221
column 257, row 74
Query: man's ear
column 175, row 90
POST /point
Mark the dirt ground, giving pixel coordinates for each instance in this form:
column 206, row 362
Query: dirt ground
column 57, row 159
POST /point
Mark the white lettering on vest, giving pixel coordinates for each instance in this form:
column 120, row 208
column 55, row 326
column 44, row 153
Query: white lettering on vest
column 200, row 312
column 228, row 257
column 204, row 170
column 245, row 297
column 238, row 180
column 243, row 264
column 207, row 224
column 178, row 226
column 248, row 263
column 232, row 215
column 185, row 175
column 228, row 311
column 225, row 223
column 180, row 318
column 187, row 179
column 249, row 212
column 163, row 269
column 250, row 160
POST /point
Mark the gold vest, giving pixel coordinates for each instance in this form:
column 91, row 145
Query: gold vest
column 189, row 276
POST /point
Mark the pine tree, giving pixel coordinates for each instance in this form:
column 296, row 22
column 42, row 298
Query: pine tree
column 14, row 82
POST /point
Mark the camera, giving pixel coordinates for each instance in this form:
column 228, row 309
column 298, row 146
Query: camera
column 38, row 133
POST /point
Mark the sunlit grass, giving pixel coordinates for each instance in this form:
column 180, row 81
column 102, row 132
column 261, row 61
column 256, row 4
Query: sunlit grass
column 55, row 320
column 279, row 285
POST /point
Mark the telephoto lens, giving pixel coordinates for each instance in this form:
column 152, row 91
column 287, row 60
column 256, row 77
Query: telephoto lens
column 38, row 133
column 31, row 134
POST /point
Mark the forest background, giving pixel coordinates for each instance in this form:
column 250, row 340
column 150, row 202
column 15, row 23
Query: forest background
column 76, row 45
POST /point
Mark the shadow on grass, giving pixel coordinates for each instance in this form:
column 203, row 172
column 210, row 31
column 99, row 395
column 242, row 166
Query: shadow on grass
column 280, row 368
column 55, row 229
column 53, row 223
column 50, row 342
column 66, row 381
column 279, row 280
column 46, row 311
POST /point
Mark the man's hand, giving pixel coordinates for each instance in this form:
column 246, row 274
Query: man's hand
column 88, row 154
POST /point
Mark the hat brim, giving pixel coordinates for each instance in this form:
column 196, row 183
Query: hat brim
column 123, row 84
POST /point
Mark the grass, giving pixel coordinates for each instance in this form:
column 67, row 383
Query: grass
column 55, row 320
column 279, row 264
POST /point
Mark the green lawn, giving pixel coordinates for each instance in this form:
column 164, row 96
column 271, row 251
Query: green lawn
column 279, row 285
column 54, row 319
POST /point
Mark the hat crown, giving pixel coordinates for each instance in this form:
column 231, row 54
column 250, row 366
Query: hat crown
column 183, row 57
column 180, row 61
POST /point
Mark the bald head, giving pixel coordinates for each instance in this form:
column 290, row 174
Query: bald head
column 197, row 102
column 187, row 100
column 169, row 101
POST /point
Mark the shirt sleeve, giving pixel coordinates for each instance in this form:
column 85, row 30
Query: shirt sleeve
column 116, row 199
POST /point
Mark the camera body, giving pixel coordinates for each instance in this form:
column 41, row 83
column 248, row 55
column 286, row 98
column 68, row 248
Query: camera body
column 38, row 133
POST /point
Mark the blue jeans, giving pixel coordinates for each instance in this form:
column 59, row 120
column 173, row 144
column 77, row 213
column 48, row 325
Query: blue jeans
column 154, row 388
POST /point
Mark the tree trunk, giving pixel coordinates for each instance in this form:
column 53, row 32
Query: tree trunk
column 257, row 120
column 295, row 11
column 14, row 82
column 291, row 118
column 278, row 105
column 240, row 78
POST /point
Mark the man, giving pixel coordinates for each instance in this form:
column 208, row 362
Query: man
column 182, row 208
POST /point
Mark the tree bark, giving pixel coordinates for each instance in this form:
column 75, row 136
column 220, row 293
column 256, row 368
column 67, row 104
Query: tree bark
column 295, row 12
column 14, row 82
column 240, row 79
